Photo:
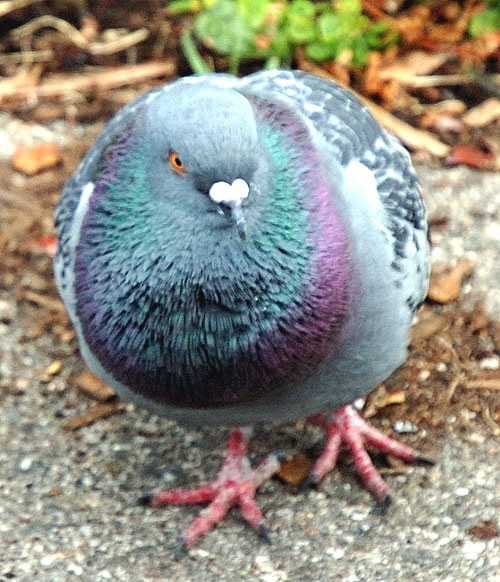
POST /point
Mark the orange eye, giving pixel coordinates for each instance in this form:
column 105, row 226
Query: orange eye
column 175, row 161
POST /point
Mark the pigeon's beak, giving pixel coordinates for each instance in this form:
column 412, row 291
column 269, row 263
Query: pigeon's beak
column 230, row 197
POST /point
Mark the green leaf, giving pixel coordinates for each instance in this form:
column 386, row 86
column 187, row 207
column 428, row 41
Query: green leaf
column 320, row 51
column 487, row 21
column 299, row 21
column 254, row 12
column 184, row 6
column 222, row 28
column 193, row 57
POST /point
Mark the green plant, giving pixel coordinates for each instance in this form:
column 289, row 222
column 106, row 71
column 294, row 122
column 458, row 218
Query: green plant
column 486, row 21
column 270, row 30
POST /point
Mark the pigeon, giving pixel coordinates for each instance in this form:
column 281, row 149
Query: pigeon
column 234, row 251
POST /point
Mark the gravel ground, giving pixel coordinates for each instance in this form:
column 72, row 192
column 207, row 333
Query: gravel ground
column 68, row 499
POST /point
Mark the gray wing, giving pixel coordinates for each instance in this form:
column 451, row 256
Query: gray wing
column 353, row 134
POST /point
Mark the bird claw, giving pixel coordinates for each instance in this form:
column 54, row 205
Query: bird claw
column 236, row 484
column 347, row 427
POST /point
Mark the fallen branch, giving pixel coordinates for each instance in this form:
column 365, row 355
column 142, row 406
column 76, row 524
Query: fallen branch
column 126, row 41
column 483, row 384
column 27, row 57
column 10, row 6
column 87, row 83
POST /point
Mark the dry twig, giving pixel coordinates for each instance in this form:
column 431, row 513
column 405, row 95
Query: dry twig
column 111, row 78
column 125, row 41
column 11, row 5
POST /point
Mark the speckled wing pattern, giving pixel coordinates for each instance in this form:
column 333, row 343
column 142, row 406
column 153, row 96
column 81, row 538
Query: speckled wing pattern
column 353, row 134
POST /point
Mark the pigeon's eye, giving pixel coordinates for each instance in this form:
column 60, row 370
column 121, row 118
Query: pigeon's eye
column 175, row 161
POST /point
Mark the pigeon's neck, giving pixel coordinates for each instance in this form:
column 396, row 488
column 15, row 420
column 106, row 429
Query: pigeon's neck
column 208, row 319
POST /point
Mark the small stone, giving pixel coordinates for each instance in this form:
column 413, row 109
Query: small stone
column 472, row 549
column 405, row 427
column 25, row 464
column 336, row 553
column 492, row 363
column 7, row 311
column 75, row 569
column 423, row 375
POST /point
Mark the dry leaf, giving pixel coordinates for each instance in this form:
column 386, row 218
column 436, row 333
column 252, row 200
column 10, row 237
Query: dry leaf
column 484, row 530
column 296, row 469
column 446, row 287
column 427, row 326
column 444, row 116
column 472, row 156
column 94, row 386
column 34, row 159
column 412, row 65
column 483, row 114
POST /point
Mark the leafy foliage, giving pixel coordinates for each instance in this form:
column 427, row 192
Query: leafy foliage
column 486, row 21
column 270, row 30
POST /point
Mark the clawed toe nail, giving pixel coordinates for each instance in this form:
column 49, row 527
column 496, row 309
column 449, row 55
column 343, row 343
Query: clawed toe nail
column 145, row 500
column 309, row 482
column 263, row 532
column 422, row 460
column 180, row 548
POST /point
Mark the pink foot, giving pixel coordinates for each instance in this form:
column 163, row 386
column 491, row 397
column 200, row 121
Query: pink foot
column 346, row 426
column 236, row 484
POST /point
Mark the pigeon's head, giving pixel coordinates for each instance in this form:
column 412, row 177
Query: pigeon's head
column 203, row 150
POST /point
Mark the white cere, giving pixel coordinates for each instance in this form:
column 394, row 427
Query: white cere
column 230, row 194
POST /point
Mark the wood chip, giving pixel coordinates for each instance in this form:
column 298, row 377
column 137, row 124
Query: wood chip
column 296, row 469
column 94, row 386
column 484, row 530
column 93, row 414
column 42, row 301
column 412, row 65
column 380, row 398
column 429, row 324
column 446, row 287
column 34, row 159
column 484, row 114
column 54, row 368
column 483, row 384
column 55, row 491
column 59, row 85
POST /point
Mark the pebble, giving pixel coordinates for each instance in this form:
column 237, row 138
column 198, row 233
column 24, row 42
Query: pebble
column 25, row 464
column 7, row 311
column 404, row 427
